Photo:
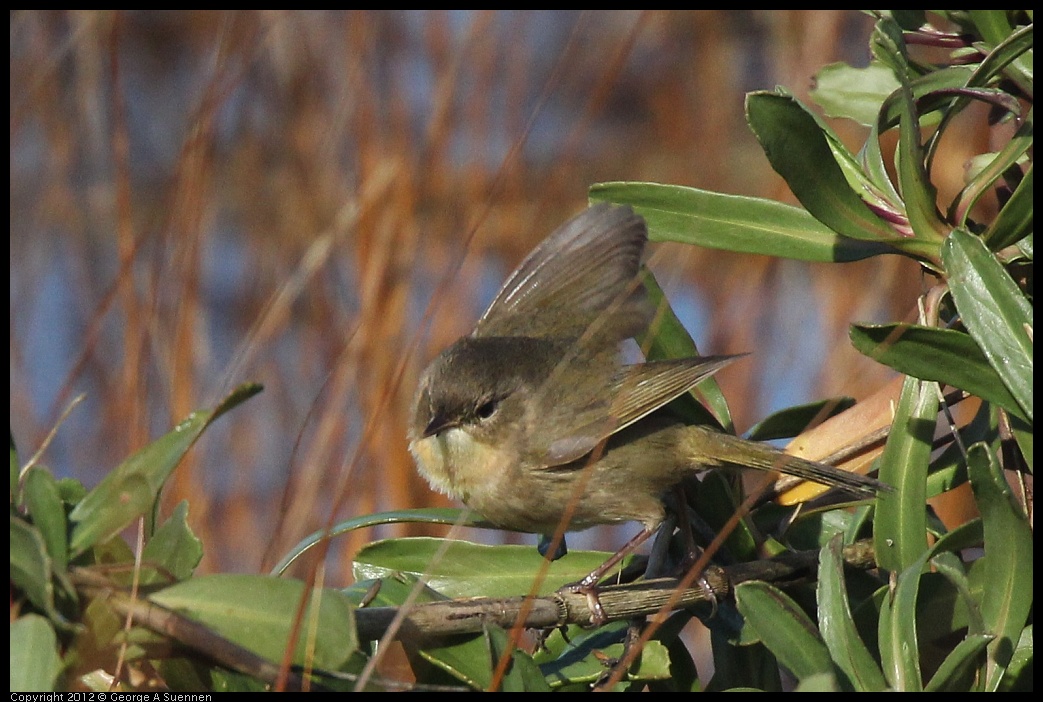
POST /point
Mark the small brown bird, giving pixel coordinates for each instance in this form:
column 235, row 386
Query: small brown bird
column 507, row 419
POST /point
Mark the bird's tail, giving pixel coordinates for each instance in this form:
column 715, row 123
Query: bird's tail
column 711, row 448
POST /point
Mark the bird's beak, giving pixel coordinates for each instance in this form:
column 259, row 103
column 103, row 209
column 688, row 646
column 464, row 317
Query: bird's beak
column 439, row 423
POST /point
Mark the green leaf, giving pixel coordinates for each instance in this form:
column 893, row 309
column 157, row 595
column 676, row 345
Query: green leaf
column 464, row 569
column 875, row 168
column 994, row 310
column 929, row 353
column 258, row 612
column 667, row 338
column 173, row 550
column 854, row 93
column 808, row 528
column 897, row 629
column 1007, row 560
column 1025, row 248
column 1019, row 674
column 1014, row 222
column 129, row 491
column 1011, row 58
column 784, row 628
column 427, row 515
column 715, row 503
column 1001, row 62
column 445, row 659
column 878, row 194
column 579, row 659
column 837, row 627
column 918, row 192
column 35, row 660
column 899, row 639
column 48, row 514
column 1022, row 431
column 910, row 20
column 992, row 24
column 798, row 150
column 741, row 667
column 791, row 421
column 944, row 90
column 735, row 223
column 71, row 490
column 1016, row 49
column 900, row 527
column 30, row 566
column 960, row 665
column 684, row 675
column 952, row 568
column 523, row 675
column 470, row 658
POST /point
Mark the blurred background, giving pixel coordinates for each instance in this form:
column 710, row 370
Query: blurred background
column 321, row 201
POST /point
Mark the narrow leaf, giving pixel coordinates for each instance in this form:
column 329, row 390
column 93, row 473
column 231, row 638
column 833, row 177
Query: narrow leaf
column 1014, row 222
column 899, row 647
column 48, row 513
column 960, row 665
column 1007, row 558
column 735, row 223
column 427, row 515
column 994, row 310
column 1012, row 58
column 900, row 527
column 798, row 150
column 784, row 628
column 942, row 355
column 992, row 24
column 918, row 192
column 131, row 488
column 667, row 338
column 838, row 627
column 30, row 566
column 1019, row 674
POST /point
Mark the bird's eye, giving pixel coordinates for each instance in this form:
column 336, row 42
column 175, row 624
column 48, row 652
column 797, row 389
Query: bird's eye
column 487, row 409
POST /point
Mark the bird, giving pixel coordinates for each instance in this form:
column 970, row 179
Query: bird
column 535, row 416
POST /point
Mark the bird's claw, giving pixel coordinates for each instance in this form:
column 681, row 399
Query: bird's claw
column 588, row 588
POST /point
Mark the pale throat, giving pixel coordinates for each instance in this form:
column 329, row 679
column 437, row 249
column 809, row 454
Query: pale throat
column 455, row 463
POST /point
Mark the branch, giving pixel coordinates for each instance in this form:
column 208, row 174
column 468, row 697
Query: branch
column 644, row 598
column 185, row 631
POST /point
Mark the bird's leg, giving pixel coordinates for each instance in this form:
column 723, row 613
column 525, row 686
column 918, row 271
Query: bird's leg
column 692, row 549
column 659, row 557
column 588, row 585
column 630, row 639
column 545, row 542
column 693, row 552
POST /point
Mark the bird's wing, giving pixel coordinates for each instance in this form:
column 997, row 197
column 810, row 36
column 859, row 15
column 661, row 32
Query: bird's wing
column 577, row 425
column 582, row 280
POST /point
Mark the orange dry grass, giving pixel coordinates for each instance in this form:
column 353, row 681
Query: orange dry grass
column 321, row 201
